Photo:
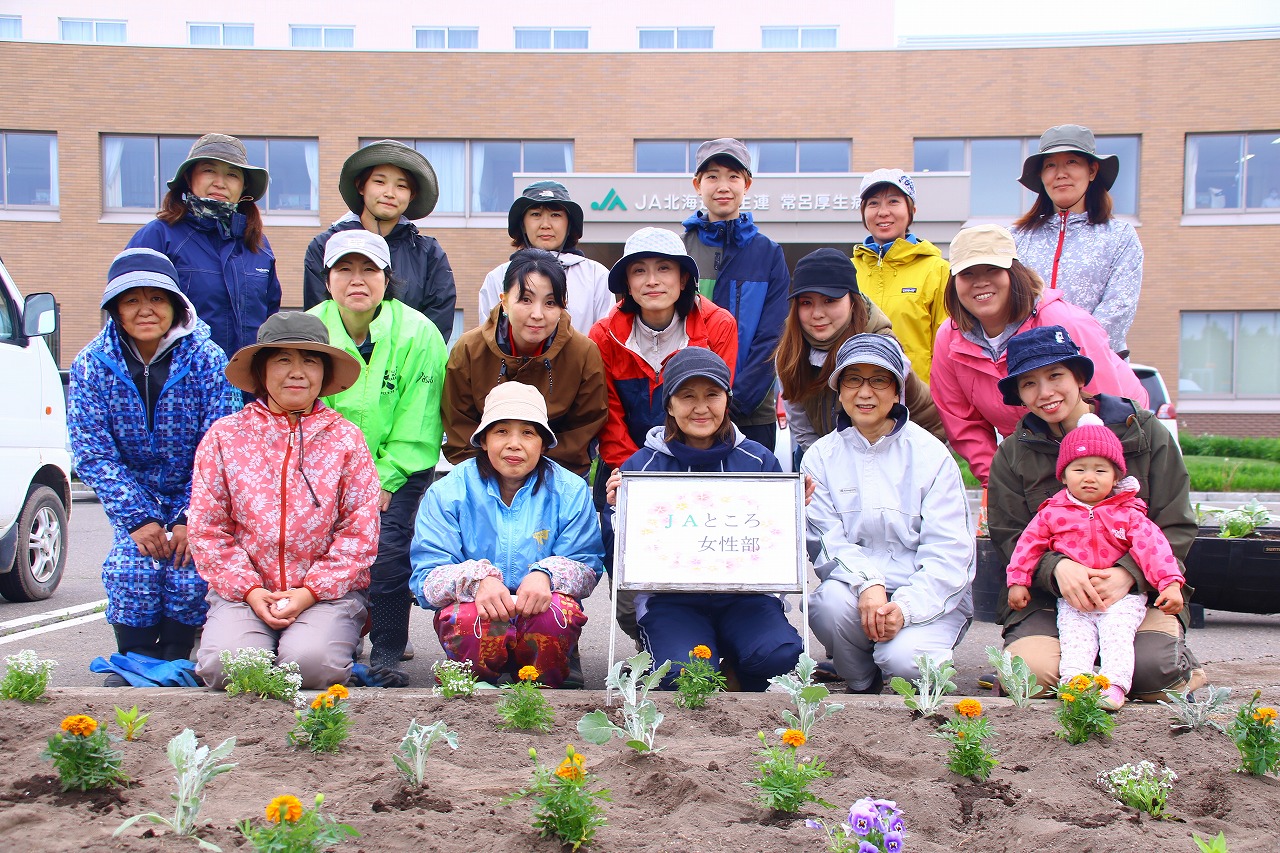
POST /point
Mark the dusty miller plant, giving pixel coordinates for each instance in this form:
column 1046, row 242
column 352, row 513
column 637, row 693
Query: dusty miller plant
column 810, row 699
column 196, row 766
column 1189, row 713
column 416, row 745
column 926, row 694
column 1016, row 678
column 640, row 716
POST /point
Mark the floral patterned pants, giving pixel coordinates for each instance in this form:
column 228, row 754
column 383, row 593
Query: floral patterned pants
column 544, row 641
column 1106, row 634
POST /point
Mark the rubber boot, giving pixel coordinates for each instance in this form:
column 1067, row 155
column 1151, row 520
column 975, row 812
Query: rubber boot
column 388, row 634
column 130, row 639
column 176, row 640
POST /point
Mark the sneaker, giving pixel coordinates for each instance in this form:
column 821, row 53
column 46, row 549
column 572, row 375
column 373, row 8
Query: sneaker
column 825, row 673
column 115, row 679
column 1112, row 699
column 408, row 650
column 988, row 681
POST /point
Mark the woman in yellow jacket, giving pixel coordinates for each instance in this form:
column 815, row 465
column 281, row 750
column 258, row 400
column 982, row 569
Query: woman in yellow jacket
column 905, row 276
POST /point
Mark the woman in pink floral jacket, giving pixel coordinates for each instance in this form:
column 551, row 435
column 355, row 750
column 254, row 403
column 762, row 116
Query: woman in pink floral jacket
column 284, row 510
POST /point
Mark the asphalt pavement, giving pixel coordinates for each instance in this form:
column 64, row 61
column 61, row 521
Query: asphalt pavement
column 66, row 628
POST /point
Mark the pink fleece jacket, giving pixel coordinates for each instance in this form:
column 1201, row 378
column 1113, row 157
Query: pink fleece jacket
column 1096, row 537
column 964, row 377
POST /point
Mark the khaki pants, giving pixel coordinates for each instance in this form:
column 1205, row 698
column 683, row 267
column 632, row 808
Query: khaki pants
column 322, row 641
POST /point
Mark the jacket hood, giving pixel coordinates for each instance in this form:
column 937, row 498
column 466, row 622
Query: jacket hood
column 1125, row 495
column 689, row 457
column 489, row 331
column 740, row 230
column 901, row 252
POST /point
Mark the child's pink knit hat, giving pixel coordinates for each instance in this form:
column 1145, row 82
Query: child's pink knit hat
column 1091, row 438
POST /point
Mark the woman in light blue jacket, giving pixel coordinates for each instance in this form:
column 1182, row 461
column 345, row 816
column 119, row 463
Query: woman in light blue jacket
column 895, row 577
column 507, row 545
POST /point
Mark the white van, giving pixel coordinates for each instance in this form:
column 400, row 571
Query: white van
column 35, row 466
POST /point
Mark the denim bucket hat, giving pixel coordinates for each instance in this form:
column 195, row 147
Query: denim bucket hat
column 1036, row 348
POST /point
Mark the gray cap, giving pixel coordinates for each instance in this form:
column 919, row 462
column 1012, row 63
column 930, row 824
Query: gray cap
column 871, row 348
column 1068, row 137
column 689, row 363
column 393, row 153
column 734, row 149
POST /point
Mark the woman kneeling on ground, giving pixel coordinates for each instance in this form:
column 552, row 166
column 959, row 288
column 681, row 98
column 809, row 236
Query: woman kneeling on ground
column 284, row 510
column 888, row 527
column 748, row 631
column 507, row 545
column 1048, row 375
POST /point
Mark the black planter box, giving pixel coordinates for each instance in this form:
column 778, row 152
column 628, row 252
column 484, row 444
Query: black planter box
column 1239, row 575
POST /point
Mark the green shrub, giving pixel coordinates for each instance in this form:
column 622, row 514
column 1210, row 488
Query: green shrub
column 1230, row 447
column 1233, row 474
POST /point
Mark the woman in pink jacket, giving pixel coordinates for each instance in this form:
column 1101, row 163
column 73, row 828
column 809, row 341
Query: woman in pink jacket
column 284, row 510
column 991, row 296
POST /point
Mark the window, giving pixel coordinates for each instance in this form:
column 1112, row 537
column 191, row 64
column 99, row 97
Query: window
column 994, row 166
column 450, row 38
column 549, row 38
column 81, row 29
column 29, row 170
column 136, row 171
column 1229, row 354
column 10, row 27
column 478, row 176
column 785, row 156
column 684, row 38
column 1233, row 171
column 230, row 35
column 804, row 38
column 332, row 37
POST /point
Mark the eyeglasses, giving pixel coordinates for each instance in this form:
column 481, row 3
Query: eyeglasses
column 878, row 382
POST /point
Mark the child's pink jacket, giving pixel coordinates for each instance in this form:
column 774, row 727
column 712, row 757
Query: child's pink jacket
column 1096, row 537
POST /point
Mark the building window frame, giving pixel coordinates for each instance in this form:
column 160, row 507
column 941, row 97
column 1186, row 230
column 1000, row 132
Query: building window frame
column 222, row 33
column 329, row 35
column 1197, row 375
column 16, row 22
column 805, row 38
column 558, row 38
column 450, row 36
column 1253, row 150
column 52, row 202
column 103, row 30
column 678, row 35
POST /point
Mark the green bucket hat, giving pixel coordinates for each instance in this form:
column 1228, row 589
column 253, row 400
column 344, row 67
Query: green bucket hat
column 397, row 154
column 225, row 149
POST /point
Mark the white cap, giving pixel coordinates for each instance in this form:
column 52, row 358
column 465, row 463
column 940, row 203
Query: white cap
column 893, row 177
column 357, row 241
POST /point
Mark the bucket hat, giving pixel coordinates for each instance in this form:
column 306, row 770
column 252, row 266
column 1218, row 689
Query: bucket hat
column 891, row 177
column 397, row 154
column 140, row 268
column 825, row 271
column 650, row 243
column 983, row 244
column 225, row 149
column 515, row 401
column 541, row 193
column 734, row 149
column 690, row 362
column 1036, row 348
column 357, row 241
column 1068, row 137
column 294, row 330
column 872, row 348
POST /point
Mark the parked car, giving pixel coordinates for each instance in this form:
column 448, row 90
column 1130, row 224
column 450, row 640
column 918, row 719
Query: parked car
column 1159, row 394
column 35, row 491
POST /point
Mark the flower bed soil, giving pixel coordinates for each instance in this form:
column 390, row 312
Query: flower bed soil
column 689, row 797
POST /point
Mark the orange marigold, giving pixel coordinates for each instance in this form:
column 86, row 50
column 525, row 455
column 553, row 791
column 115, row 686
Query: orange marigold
column 793, row 738
column 285, row 808
column 323, row 700
column 338, row 691
column 969, row 708
column 1080, row 682
column 1266, row 716
column 701, row 652
column 79, row 724
column 571, row 770
column 1067, row 697
column 528, row 673
column 1102, row 681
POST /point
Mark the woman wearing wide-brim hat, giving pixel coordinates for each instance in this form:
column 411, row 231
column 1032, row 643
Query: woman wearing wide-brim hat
column 284, row 509
column 210, row 227
column 545, row 217
column 387, row 186
column 1070, row 237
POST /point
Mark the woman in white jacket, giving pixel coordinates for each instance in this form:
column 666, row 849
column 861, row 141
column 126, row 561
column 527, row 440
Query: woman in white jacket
column 888, row 527
column 544, row 217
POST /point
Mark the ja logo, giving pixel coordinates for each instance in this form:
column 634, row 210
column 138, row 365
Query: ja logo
column 610, row 201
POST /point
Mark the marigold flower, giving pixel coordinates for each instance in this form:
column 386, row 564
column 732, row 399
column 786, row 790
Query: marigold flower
column 701, row 652
column 1067, row 697
column 285, row 808
column 528, row 673
column 338, row 691
column 969, row 708
column 960, row 735
column 1266, row 716
column 323, row 700
column 571, row 770
column 1080, row 682
column 793, row 738
column 79, row 724
column 1102, row 681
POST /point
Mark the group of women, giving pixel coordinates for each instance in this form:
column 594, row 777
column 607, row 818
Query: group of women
column 298, row 520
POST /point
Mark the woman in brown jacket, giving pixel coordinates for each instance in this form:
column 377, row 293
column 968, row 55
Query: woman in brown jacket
column 528, row 338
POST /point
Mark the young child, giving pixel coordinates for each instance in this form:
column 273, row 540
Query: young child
column 1096, row 521
column 745, row 273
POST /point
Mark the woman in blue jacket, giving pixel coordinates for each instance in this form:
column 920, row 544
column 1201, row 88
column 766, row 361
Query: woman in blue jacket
column 507, row 545
column 749, row 631
column 210, row 227
column 143, row 392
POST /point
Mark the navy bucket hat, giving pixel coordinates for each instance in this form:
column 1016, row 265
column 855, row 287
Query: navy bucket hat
column 1036, row 348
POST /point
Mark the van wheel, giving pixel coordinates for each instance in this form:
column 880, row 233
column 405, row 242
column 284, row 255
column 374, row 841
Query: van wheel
column 42, row 548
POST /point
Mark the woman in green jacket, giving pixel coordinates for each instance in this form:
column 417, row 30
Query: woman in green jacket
column 396, row 404
column 1047, row 375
